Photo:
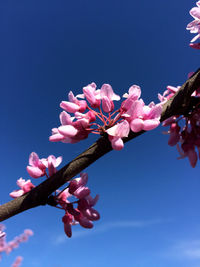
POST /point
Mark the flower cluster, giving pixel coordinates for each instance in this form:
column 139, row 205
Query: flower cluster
column 184, row 130
column 7, row 247
column 36, row 168
column 133, row 115
column 194, row 26
column 84, row 214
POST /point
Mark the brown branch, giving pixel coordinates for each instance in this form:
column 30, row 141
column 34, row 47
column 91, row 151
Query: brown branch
column 181, row 103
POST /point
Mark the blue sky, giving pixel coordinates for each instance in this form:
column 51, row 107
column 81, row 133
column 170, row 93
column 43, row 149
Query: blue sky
column 149, row 200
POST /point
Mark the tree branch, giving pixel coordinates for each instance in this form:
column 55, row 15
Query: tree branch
column 179, row 104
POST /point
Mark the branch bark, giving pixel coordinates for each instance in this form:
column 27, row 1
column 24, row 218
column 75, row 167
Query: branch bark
column 179, row 104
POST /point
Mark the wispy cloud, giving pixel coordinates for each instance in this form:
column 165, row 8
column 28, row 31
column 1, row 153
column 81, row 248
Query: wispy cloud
column 185, row 250
column 108, row 226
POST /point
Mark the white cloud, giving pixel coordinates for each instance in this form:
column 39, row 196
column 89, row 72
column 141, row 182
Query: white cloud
column 185, row 250
column 106, row 227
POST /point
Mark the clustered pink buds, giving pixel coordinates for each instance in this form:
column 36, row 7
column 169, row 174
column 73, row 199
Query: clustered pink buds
column 7, row 247
column 36, row 168
column 84, row 214
column 194, row 26
column 133, row 115
column 184, row 130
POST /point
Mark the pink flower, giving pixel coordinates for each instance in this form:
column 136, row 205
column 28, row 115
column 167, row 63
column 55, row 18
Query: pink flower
column 84, row 221
column 107, row 96
column 134, row 94
column 116, row 133
column 171, row 90
column 51, row 163
column 91, row 94
column 174, row 134
column 84, row 214
column 77, row 186
column 144, row 117
column 66, row 131
column 189, row 151
column 68, row 221
column 85, row 206
column 25, row 186
column 73, row 104
column 194, row 26
column 36, row 168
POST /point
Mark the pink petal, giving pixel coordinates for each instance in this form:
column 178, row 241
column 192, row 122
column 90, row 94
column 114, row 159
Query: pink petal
column 21, row 182
column 106, row 90
column 84, row 222
column 69, row 107
column 33, row 159
column 119, row 130
column 34, row 172
column 68, row 229
column 71, row 97
column 195, row 12
column 67, row 130
column 136, row 125
column 117, row 143
column 91, row 214
column 58, row 161
column 192, row 155
column 17, row 193
column 174, row 134
column 122, row 129
column 51, row 168
column 136, row 109
column 56, row 137
column 107, row 104
column 83, row 180
column 112, row 131
column 82, row 192
column 155, row 112
column 195, row 38
column 65, row 118
column 150, row 124
column 134, row 92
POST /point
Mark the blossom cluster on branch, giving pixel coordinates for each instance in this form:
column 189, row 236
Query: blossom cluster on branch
column 93, row 112
column 184, row 129
column 84, row 214
column 7, row 247
column 133, row 115
column 194, row 26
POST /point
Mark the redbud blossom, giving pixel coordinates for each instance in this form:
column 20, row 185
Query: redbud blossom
column 38, row 166
column 116, row 133
column 134, row 94
column 73, row 104
column 84, row 214
column 185, row 135
column 133, row 114
column 107, row 96
column 194, row 26
column 91, row 94
column 25, row 186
